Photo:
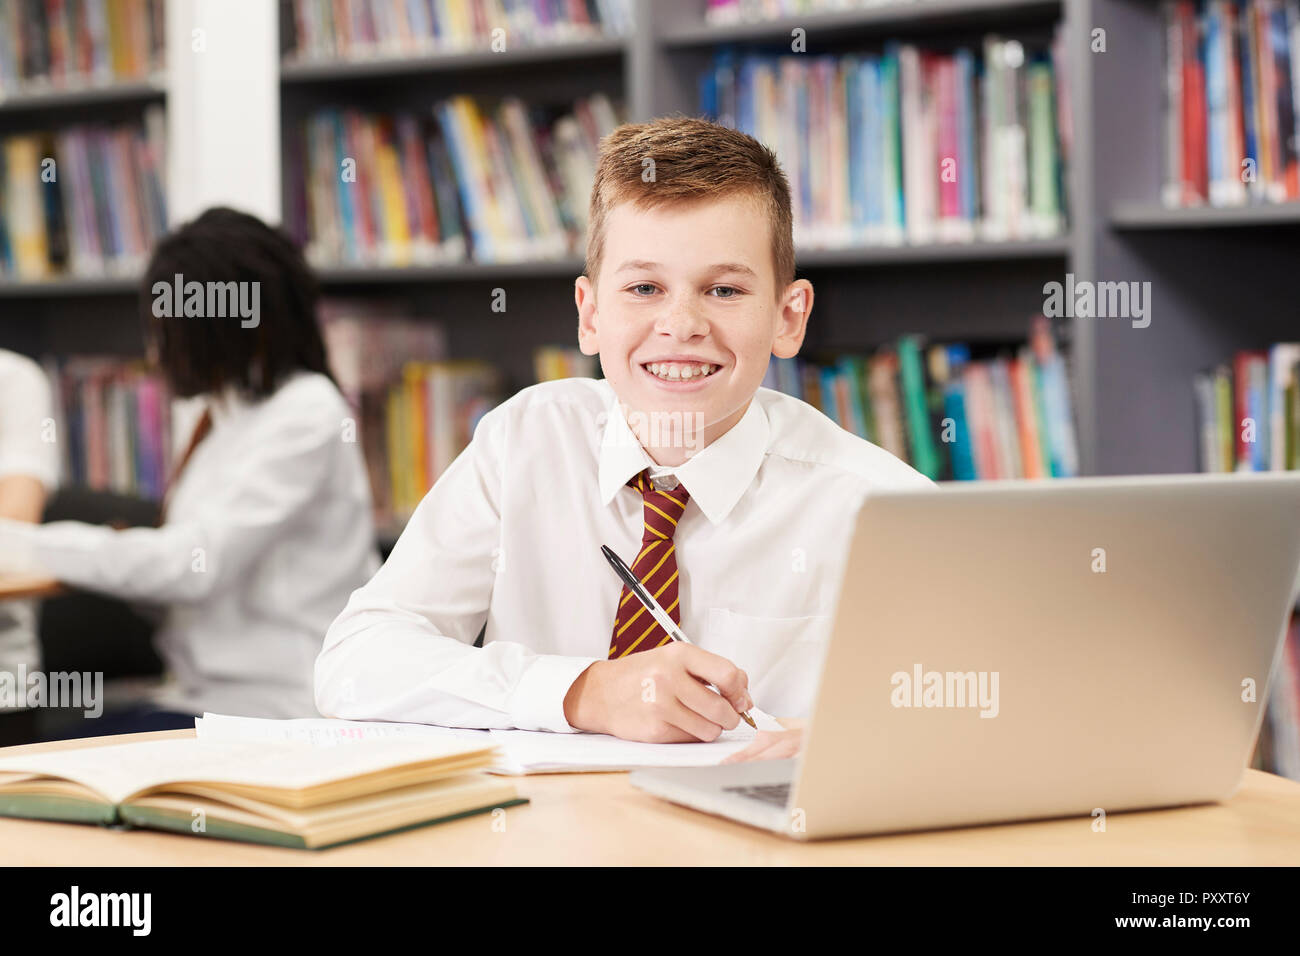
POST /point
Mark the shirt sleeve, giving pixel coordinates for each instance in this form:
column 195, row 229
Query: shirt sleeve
column 403, row 647
column 28, row 431
column 284, row 464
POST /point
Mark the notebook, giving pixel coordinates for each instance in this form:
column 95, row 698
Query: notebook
column 278, row 792
column 518, row 751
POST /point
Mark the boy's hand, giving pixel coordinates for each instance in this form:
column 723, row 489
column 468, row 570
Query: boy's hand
column 659, row 696
column 770, row 745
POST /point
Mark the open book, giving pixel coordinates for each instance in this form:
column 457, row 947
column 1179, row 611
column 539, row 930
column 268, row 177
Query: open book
column 282, row 793
column 518, row 751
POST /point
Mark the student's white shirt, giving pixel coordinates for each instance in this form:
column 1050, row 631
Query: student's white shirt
column 268, row 530
column 28, row 448
column 509, row 537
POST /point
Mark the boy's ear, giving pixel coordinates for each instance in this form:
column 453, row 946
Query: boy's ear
column 796, row 306
column 584, row 297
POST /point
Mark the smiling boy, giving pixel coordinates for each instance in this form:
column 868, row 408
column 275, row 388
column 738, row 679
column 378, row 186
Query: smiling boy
column 732, row 503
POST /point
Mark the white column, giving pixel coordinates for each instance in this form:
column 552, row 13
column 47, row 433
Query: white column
column 223, row 107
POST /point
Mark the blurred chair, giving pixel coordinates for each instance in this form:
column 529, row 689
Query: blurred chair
column 85, row 632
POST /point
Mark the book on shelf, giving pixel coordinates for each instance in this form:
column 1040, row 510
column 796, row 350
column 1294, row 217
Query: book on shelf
column 279, row 793
column 87, row 200
column 908, row 145
column 371, row 29
column 370, row 345
column 465, row 182
column 1248, row 411
column 1232, row 85
column 69, row 44
column 115, row 417
column 946, row 411
column 551, row 362
column 430, row 418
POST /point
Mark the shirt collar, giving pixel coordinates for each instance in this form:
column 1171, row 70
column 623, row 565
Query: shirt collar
column 716, row 476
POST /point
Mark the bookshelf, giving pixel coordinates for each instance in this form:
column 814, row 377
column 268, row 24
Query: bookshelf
column 1219, row 276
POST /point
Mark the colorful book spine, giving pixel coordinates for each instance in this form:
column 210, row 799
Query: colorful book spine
column 1248, row 411
column 1006, row 414
column 1232, row 130
column 344, row 29
column 909, row 144
column 85, row 201
column 464, row 183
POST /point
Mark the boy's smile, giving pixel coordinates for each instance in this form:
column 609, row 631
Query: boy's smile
column 685, row 314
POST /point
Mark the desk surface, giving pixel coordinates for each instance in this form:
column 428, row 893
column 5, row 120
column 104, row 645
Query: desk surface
column 27, row 587
column 600, row 819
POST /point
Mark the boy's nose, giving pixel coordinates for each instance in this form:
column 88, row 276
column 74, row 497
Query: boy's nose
column 682, row 322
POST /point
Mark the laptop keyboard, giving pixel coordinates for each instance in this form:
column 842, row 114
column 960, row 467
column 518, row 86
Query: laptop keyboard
column 777, row 794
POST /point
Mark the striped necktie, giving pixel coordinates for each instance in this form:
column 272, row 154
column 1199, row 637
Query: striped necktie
column 655, row 567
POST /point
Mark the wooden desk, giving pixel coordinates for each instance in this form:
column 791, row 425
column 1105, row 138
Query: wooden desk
column 600, row 819
column 12, row 588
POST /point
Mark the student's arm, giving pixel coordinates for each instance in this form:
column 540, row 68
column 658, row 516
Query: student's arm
column 22, row 498
column 403, row 647
column 280, row 473
column 29, row 463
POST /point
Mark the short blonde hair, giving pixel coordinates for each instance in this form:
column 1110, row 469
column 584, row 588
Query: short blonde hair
column 694, row 159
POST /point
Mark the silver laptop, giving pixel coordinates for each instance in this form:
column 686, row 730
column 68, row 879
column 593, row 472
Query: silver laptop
column 1020, row 650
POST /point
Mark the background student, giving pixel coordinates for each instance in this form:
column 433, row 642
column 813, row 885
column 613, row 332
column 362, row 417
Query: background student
column 267, row 523
column 28, row 473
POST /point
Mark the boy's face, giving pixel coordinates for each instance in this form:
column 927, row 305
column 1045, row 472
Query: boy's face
column 685, row 315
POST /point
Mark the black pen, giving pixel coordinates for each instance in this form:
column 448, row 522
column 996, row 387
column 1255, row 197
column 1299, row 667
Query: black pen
column 651, row 605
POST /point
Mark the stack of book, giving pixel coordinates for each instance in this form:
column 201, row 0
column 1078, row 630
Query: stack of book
column 62, row 44
column 368, row 344
column 909, row 145
column 87, row 200
column 946, row 413
column 116, row 425
column 1232, row 82
column 551, row 362
column 1249, row 412
column 357, row 29
column 503, row 185
column 431, row 416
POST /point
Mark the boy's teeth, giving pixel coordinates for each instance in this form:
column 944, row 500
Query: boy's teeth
column 680, row 371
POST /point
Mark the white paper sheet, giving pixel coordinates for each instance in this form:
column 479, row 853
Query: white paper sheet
column 522, row 751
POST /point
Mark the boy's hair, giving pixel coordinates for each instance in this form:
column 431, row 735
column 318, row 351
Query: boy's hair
column 204, row 355
column 693, row 159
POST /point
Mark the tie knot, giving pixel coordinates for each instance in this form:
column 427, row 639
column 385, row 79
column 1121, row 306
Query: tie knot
column 663, row 507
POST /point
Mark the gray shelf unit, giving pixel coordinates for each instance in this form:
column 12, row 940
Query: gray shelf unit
column 60, row 98
column 864, row 296
column 1214, row 291
column 1221, row 279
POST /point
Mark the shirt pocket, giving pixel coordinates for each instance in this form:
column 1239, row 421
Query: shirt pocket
column 781, row 655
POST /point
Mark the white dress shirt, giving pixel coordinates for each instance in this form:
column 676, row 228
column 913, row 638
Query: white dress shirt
column 510, row 537
column 28, row 448
column 268, row 530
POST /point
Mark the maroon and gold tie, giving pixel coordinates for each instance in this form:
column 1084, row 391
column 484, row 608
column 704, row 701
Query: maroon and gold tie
column 635, row 629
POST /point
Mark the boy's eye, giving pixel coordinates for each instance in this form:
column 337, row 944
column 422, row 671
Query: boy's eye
column 643, row 285
column 731, row 291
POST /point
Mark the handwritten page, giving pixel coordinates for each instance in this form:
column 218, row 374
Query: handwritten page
column 521, row 751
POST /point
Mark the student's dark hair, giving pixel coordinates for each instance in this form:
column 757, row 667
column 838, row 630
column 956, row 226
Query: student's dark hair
column 206, row 354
